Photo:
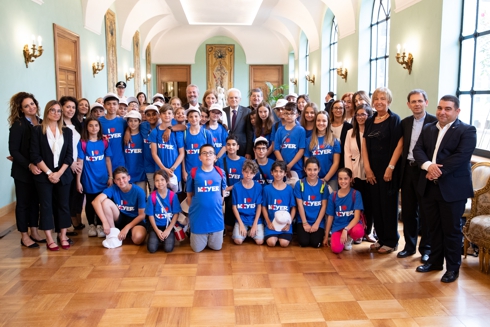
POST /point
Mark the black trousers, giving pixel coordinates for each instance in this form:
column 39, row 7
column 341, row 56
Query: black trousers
column 76, row 198
column 61, row 193
column 229, row 215
column 306, row 239
column 27, row 206
column 444, row 220
column 413, row 214
column 92, row 217
column 363, row 187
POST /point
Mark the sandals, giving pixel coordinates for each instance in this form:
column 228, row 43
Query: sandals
column 386, row 249
column 375, row 246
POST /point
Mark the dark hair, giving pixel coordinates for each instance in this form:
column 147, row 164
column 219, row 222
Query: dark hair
column 291, row 106
column 355, row 125
column 363, row 95
column 252, row 165
column 111, row 98
column 205, row 146
column 312, row 160
column 74, row 120
column 256, row 90
column 281, row 164
column 16, row 106
column 451, row 98
column 267, row 129
column 304, row 97
column 345, row 170
column 120, row 170
column 332, row 118
column 417, row 91
column 260, row 143
column 65, row 99
column 140, row 93
column 232, row 137
column 331, row 94
column 84, row 135
column 162, row 173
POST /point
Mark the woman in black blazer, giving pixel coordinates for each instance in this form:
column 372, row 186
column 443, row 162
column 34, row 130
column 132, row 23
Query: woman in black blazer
column 24, row 111
column 52, row 152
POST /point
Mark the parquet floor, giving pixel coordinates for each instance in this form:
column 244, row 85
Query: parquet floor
column 246, row 285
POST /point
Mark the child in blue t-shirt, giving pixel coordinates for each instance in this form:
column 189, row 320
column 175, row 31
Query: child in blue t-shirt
column 232, row 164
column 205, row 187
column 264, row 164
column 311, row 196
column 247, row 206
column 146, row 127
column 162, row 209
column 133, row 151
column 344, row 213
column 218, row 131
column 113, row 128
column 94, row 155
column 170, row 154
column 289, row 142
column 278, row 196
column 121, row 207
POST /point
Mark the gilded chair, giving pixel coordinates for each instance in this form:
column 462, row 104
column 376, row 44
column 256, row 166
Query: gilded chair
column 477, row 227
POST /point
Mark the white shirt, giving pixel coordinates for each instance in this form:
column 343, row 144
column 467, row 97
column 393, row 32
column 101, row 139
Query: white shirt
column 440, row 136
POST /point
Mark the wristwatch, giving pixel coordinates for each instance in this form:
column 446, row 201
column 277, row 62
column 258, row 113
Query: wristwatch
column 391, row 167
column 170, row 127
column 49, row 172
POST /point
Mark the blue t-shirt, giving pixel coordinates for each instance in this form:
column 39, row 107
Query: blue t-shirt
column 309, row 132
column 343, row 209
column 277, row 200
column 128, row 203
column 163, row 209
column 234, row 173
column 205, row 211
column 324, row 153
column 145, row 130
column 114, row 130
column 289, row 143
column 219, row 136
column 266, row 169
column 94, row 174
column 192, row 144
column 168, row 151
column 135, row 161
column 311, row 197
column 246, row 201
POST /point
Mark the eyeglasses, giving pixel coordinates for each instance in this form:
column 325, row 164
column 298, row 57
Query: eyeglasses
column 290, row 113
column 207, row 154
column 361, row 115
column 261, row 148
column 54, row 111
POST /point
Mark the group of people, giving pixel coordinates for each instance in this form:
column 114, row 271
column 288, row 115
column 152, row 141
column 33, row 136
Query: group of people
column 260, row 172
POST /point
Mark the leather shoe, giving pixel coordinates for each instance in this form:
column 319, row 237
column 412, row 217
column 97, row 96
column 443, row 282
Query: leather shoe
column 450, row 276
column 427, row 267
column 424, row 258
column 404, row 254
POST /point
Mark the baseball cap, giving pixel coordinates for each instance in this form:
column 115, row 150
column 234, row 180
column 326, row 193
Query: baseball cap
column 281, row 219
column 132, row 99
column 188, row 111
column 150, row 107
column 110, row 96
column 261, row 139
column 280, row 103
column 133, row 114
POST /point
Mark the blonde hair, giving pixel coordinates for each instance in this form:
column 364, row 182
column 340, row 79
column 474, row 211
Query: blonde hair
column 45, row 122
column 328, row 138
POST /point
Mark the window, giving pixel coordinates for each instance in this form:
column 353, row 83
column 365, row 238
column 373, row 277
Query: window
column 307, row 62
column 474, row 71
column 334, row 36
column 380, row 31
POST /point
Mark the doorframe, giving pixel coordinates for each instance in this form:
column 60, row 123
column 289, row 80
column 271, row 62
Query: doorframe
column 59, row 31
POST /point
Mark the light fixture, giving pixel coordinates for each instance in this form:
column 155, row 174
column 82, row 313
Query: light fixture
column 147, row 79
column 35, row 52
column 342, row 71
column 98, row 66
column 294, row 80
column 309, row 78
column 403, row 59
column 130, row 76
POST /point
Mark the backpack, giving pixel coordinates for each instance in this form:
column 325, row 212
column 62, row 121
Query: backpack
column 194, row 170
column 302, row 186
column 362, row 218
column 84, row 145
column 154, row 197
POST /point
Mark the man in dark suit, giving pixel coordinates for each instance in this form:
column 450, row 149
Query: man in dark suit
column 192, row 93
column 444, row 150
column 329, row 100
column 238, row 124
column 412, row 214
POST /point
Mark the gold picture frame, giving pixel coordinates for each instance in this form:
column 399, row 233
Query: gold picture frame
column 220, row 62
column 111, row 55
column 136, row 62
column 148, row 70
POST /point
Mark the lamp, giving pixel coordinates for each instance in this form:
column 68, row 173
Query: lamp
column 403, row 59
column 147, row 79
column 341, row 71
column 30, row 55
column 130, row 76
column 294, row 80
column 98, row 66
column 309, row 78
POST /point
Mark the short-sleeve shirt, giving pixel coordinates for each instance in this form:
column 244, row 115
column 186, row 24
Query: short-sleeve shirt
column 289, row 143
column 277, row 200
column 219, row 136
column 168, row 151
column 267, row 175
column 134, row 158
column 145, row 130
column 311, row 197
column 343, row 209
column 94, row 174
column 234, row 172
column 162, row 209
column 324, row 153
column 246, row 201
column 128, row 203
column 114, row 130
column 192, row 144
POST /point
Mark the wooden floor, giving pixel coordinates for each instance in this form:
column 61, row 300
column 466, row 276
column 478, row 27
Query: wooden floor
column 88, row 285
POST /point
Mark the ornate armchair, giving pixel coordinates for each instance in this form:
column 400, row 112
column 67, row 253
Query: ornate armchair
column 477, row 227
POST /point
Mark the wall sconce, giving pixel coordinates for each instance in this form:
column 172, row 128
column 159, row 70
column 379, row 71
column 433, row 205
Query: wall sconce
column 98, row 66
column 341, row 71
column 147, row 79
column 294, row 80
column 130, row 76
column 29, row 56
column 403, row 59
column 310, row 78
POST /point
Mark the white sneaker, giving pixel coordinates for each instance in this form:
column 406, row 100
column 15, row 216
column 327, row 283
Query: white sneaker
column 92, row 231
column 100, row 231
column 348, row 244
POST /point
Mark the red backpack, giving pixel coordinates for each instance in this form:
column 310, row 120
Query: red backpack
column 84, row 145
column 154, row 197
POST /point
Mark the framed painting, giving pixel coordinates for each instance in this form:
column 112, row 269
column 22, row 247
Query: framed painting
column 110, row 35
column 148, row 70
column 220, row 62
column 136, row 62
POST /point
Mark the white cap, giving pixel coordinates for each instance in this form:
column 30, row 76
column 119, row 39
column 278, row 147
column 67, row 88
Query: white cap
column 216, row 106
column 123, row 101
column 192, row 109
column 133, row 114
column 158, row 104
column 132, row 99
column 261, row 139
column 158, row 95
column 281, row 219
column 292, row 95
column 96, row 105
column 280, row 103
column 151, row 107
column 110, row 96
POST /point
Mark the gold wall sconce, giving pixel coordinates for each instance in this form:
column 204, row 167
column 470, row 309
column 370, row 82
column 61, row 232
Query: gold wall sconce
column 98, row 66
column 310, row 78
column 294, row 80
column 342, row 71
column 403, row 59
column 147, row 79
column 35, row 52
column 130, row 76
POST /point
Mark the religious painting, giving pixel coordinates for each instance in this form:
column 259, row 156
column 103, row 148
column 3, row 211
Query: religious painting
column 148, row 70
column 136, row 62
column 110, row 35
column 220, row 61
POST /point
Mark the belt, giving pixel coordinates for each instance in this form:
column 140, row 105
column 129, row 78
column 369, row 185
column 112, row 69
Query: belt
column 435, row 181
column 412, row 163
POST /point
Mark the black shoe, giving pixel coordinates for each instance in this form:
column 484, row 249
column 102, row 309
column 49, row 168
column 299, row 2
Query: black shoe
column 68, row 239
column 427, row 267
column 71, row 233
column 37, row 241
column 32, row 246
column 450, row 276
column 79, row 227
column 404, row 254
column 424, row 258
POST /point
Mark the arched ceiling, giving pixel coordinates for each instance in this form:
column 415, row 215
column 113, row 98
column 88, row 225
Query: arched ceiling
column 273, row 33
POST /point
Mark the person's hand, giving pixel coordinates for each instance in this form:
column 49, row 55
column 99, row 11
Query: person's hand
column 388, row 174
column 247, row 156
column 314, row 227
column 343, row 238
column 253, row 231
column 307, row 227
column 35, row 169
column 123, row 233
column 184, row 175
column 10, row 158
column 270, row 225
column 286, row 228
column 166, row 135
column 76, row 167
column 110, row 182
column 243, row 230
column 165, row 234
column 107, row 228
column 325, row 241
column 79, row 188
column 169, row 171
column 434, row 171
column 54, row 177
column 370, row 177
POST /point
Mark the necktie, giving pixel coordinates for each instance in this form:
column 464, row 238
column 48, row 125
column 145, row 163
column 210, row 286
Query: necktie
column 233, row 119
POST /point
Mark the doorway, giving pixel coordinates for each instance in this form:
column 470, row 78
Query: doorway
column 67, row 62
column 172, row 80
